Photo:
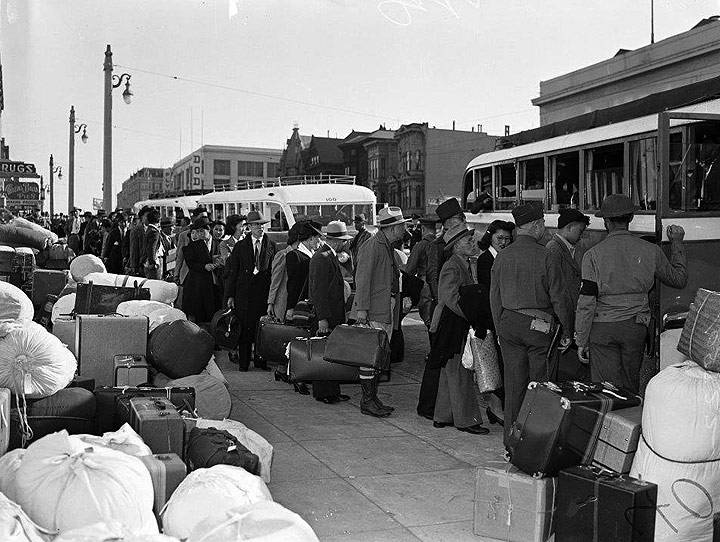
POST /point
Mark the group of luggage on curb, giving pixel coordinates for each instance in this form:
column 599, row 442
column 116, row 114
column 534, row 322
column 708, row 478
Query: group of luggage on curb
column 114, row 416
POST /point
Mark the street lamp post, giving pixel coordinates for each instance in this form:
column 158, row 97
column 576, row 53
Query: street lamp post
column 111, row 82
column 53, row 169
column 74, row 129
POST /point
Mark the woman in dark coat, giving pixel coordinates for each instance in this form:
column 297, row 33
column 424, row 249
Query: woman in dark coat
column 199, row 293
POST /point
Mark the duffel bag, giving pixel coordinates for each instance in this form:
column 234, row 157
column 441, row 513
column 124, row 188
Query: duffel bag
column 306, row 363
column 273, row 338
column 358, row 347
column 180, row 348
column 209, row 447
column 225, row 327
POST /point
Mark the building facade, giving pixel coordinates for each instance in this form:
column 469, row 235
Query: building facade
column 214, row 167
column 323, row 156
column 355, row 159
column 382, row 157
column 140, row 185
column 293, row 156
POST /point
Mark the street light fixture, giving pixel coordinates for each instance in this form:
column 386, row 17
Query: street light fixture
column 127, row 93
column 83, row 127
column 53, row 170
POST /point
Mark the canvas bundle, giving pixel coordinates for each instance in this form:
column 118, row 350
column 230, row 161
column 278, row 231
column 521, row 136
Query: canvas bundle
column 700, row 338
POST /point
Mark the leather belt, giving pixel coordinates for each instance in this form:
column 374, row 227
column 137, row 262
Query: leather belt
column 536, row 313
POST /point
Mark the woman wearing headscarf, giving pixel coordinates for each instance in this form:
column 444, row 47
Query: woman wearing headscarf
column 456, row 402
column 200, row 300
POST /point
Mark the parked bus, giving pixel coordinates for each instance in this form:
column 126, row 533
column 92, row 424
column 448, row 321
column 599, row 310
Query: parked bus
column 667, row 163
column 173, row 207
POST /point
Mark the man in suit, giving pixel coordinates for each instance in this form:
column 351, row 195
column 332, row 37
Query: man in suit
column 150, row 261
column 113, row 257
column 418, row 262
column 72, row 230
column 248, row 284
column 137, row 244
column 564, row 249
column 378, row 300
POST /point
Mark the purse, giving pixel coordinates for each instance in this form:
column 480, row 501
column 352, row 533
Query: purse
column 358, row 347
column 97, row 299
column 225, row 327
column 485, row 361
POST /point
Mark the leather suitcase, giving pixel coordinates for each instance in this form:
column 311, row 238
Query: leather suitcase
column 64, row 329
column 22, row 269
column 272, row 340
column 618, row 440
column 306, row 363
column 180, row 348
column 72, row 409
column 595, row 504
column 166, row 471
column 4, row 420
column 359, row 347
column 47, row 281
column 159, row 424
column 108, row 398
column 98, row 338
column 82, row 382
column 7, row 256
column 101, row 299
column 209, row 447
column 132, row 371
column 558, row 424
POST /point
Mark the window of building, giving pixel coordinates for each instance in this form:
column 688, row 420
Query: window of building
column 221, row 182
column 272, row 169
column 381, row 170
column 250, row 169
column 419, row 197
column 221, row 167
column 407, row 161
column 418, row 162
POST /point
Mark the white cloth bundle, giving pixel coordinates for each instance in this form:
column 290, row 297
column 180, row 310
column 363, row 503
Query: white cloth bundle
column 20, row 222
column 14, row 303
column 64, row 484
column 162, row 291
column 16, row 526
column 64, row 305
column 207, row 494
column 111, row 531
column 84, row 265
column 9, row 464
column 156, row 311
column 124, row 440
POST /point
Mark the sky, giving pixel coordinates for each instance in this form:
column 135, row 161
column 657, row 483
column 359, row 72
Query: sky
column 241, row 72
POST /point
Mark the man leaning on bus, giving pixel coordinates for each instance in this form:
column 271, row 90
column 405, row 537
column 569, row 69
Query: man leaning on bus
column 613, row 313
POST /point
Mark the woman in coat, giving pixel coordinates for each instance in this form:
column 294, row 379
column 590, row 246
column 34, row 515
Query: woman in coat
column 199, row 293
column 456, row 402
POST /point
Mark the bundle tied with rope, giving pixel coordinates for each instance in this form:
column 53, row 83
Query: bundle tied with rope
column 700, row 338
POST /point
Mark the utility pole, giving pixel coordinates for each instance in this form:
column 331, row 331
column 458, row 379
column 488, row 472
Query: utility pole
column 71, row 162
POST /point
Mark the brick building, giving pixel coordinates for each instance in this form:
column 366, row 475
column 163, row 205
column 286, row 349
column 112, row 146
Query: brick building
column 140, row 185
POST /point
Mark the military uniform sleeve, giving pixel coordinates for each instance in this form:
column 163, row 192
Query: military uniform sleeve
column 673, row 272
column 587, row 301
column 495, row 296
column 559, row 294
column 363, row 276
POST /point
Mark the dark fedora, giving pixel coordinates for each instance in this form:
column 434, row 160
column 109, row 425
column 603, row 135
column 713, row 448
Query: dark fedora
column 201, row 223
column 254, row 217
column 568, row 216
column 448, row 209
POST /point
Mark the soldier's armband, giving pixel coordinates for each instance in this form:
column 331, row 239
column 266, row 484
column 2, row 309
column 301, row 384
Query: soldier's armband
column 588, row 287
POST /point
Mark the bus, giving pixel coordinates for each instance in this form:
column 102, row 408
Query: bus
column 667, row 163
column 176, row 208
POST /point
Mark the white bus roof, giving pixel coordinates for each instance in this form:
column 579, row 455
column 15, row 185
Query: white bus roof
column 190, row 202
column 295, row 195
column 567, row 142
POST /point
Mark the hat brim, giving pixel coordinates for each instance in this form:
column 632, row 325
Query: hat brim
column 259, row 221
column 453, row 241
column 343, row 237
column 394, row 223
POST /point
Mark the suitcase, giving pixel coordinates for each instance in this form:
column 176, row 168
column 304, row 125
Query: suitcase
column 72, row 409
column 132, row 371
column 64, row 329
column 306, row 363
column 23, row 268
column 98, row 338
column 209, row 447
column 272, row 340
column 4, row 420
column 558, row 424
column 58, row 256
column 618, row 440
column 513, row 506
column 43, row 314
column 359, row 347
column 159, row 424
column 82, row 382
column 595, row 504
column 47, row 281
column 108, row 399
column 7, row 256
column 101, row 299
column 180, row 348
column 166, row 471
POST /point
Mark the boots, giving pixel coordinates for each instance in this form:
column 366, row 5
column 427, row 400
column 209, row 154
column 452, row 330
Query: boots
column 376, row 399
column 367, row 403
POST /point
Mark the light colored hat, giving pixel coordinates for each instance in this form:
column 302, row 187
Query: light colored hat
column 337, row 230
column 390, row 216
column 254, row 217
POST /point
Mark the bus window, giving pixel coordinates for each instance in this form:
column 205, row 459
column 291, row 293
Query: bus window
column 603, row 174
column 367, row 210
column 312, row 211
column 506, row 195
column 532, row 180
column 643, row 173
column 278, row 222
column 343, row 213
column 298, row 212
column 702, row 180
column 565, row 173
column 231, row 209
column 218, row 212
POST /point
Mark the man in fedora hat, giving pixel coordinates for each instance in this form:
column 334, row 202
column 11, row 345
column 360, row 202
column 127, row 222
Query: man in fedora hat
column 613, row 313
column 528, row 300
column 248, row 284
column 72, row 230
column 377, row 296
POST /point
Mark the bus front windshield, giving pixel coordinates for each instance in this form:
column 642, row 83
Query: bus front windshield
column 325, row 213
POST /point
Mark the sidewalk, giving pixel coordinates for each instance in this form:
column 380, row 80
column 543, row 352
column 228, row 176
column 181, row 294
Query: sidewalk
column 357, row 478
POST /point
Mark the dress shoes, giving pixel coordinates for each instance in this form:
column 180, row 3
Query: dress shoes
column 440, row 425
column 328, row 400
column 426, row 416
column 493, row 419
column 342, row 397
column 476, row 429
column 301, row 388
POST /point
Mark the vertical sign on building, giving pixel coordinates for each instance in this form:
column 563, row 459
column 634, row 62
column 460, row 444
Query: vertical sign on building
column 196, row 171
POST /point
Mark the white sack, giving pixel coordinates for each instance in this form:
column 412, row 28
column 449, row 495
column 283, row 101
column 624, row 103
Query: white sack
column 84, row 265
column 669, row 354
column 124, row 440
column 248, row 438
column 156, row 311
column 9, row 464
column 64, row 305
column 34, row 361
column 111, row 531
column 264, row 521
column 681, row 422
column 162, row 291
column 212, row 398
column 16, row 526
column 207, row 494
column 20, row 222
column 63, row 484
column 14, row 303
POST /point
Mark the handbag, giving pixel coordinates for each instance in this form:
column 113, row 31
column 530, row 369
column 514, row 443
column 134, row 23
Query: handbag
column 225, row 327
column 99, row 299
column 485, row 361
column 358, row 347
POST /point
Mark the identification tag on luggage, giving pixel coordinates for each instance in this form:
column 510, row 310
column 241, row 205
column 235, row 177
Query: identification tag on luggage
column 540, row 325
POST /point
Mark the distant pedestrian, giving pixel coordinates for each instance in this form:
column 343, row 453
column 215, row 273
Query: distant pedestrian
column 360, row 238
column 151, row 261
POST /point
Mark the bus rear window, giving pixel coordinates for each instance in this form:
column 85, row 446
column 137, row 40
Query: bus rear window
column 695, row 177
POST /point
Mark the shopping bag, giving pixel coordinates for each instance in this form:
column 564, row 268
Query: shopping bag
column 485, row 362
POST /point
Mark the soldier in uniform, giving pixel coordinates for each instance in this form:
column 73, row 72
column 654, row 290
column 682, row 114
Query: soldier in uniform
column 528, row 300
column 613, row 313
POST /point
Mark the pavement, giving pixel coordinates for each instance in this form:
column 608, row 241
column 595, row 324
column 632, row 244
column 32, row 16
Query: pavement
column 357, row 478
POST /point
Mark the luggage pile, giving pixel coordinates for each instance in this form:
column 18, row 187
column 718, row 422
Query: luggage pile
column 114, row 424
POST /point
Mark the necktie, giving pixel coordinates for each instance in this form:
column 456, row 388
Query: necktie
column 257, row 254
